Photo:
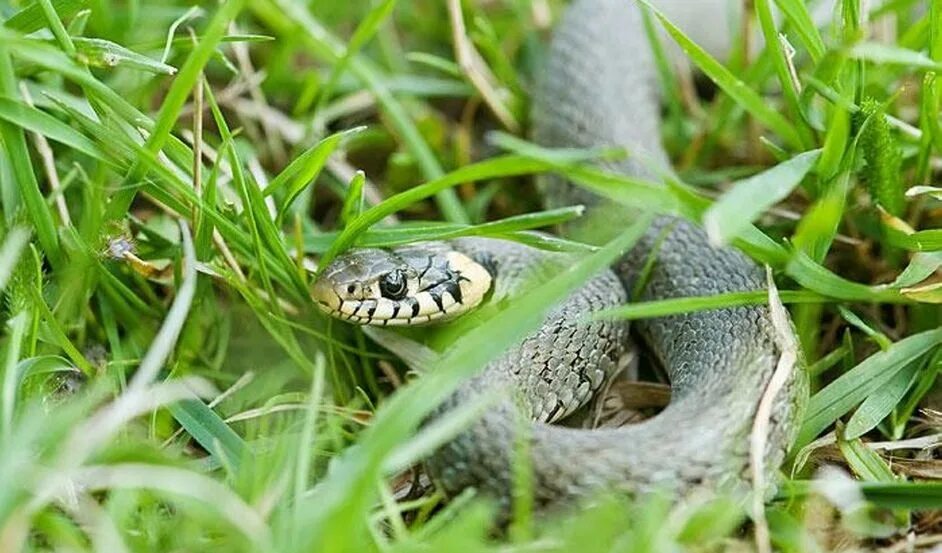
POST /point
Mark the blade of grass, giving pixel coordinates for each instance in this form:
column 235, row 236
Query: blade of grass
column 881, row 403
column 797, row 14
column 674, row 306
column 173, row 102
column 416, row 232
column 747, row 199
column 38, row 211
column 289, row 15
column 31, row 19
column 747, row 98
column 211, row 432
column 851, row 388
column 504, row 166
column 40, row 122
column 13, row 245
column 163, row 344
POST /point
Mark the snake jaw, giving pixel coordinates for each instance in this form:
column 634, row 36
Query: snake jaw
column 365, row 286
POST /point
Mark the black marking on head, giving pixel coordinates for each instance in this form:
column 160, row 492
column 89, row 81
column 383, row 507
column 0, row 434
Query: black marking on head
column 437, row 297
column 454, row 289
column 395, row 312
column 413, row 303
column 369, row 305
column 427, row 267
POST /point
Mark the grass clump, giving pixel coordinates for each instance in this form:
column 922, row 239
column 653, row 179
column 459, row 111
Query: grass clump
column 170, row 174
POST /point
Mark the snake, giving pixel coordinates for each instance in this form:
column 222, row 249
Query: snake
column 598, row 88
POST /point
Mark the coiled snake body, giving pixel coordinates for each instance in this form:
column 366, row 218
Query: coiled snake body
column 598, row 89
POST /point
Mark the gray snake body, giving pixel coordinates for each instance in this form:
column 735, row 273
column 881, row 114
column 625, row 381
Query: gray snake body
column 598, row 89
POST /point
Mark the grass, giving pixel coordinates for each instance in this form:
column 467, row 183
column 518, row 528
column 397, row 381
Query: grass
column 167, row 383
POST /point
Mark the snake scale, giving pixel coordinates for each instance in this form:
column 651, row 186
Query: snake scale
column 598, row 89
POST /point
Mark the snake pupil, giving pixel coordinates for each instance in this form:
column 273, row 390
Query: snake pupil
column 393, row 285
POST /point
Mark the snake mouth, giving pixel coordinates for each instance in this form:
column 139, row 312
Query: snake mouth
column 390, row 288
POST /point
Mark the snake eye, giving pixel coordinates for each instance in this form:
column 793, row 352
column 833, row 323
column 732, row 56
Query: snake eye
column 393, row 285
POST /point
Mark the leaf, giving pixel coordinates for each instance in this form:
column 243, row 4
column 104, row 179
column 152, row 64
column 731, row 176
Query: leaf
column 881, row 403
column 865, row 462
column 353, row 202
column 98, row 52
column 747, row 199
column 888, row 54
column 744, row 96
column 852, row 387
column 13, row 245
column 211, row 432
column 816, row 277
column 674, row 306
column 31, row 19
column 308, row 165
column 796, row 11
column 495, row 167
column 40, row 122
column 37, row 211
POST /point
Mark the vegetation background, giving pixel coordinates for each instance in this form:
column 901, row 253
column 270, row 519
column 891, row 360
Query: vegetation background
column 170, row 174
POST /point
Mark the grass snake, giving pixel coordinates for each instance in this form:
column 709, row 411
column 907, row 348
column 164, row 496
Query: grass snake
column 597, row 89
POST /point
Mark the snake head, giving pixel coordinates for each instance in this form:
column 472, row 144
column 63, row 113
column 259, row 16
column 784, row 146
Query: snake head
column 407, row 285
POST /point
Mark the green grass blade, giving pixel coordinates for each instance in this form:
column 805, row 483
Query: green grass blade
column 881, row 403
column 37, row 210
column 417, row 231
column 817, row 278
column 854, row 386
column 31, row 18
column 211, row 432
column 797, row 14
column 747, row 199
column 40, row 122
column 747, row 98
column 865, row 462
column 878, row 53
column 13, row 245
column 176, row 96
column 290, row 16
column 353, row 202
column 493, row 168
column 675, row 306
